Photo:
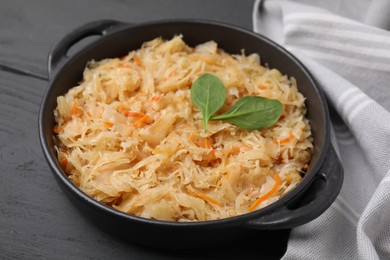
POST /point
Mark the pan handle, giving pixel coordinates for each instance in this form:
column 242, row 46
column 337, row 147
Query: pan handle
column 316, row 199
column 59, row 52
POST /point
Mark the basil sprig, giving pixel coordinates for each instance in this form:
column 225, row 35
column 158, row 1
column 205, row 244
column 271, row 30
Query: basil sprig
column 208, row 93
column 252, row 112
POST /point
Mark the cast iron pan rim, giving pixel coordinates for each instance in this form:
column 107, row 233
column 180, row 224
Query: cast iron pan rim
column 68, row 184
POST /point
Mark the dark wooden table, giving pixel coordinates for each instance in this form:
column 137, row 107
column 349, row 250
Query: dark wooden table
column 36, row 220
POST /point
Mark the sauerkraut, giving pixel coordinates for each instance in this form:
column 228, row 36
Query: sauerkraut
column 129, row 137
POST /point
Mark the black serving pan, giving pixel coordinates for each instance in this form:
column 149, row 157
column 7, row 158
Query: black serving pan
column 318, row 189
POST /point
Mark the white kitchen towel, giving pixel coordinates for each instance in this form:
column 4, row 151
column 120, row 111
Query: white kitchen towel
column 346, row 47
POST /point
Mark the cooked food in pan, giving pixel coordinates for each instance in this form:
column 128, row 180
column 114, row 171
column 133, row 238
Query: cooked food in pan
column 179, row 133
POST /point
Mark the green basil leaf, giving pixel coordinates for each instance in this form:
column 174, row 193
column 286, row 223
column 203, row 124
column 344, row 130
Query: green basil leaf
column 253, row 112
column 208, row 93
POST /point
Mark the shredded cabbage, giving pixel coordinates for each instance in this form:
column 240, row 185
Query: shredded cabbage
column 129, row 136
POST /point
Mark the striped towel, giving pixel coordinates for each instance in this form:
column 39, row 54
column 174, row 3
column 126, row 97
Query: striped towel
column 349, row 55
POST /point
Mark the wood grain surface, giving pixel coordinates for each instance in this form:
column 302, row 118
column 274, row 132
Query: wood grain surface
column 36, row 219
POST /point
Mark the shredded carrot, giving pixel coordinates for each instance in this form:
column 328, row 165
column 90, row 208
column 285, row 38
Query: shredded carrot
column 75, row 107
column 285, row 140
column 155, row 98
column 134, row 114
column 234, row 150
column 64, row 163
column 205, row 197
column 122, row 107
column 140, row 121
column 108, row 123
column 263, row 87
column 209, row 159
column 196, row 141
column 271, row 192
column 137, row 60
column 207, row 143
column 209, row 199
column 57, row 129
column 204, row 143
